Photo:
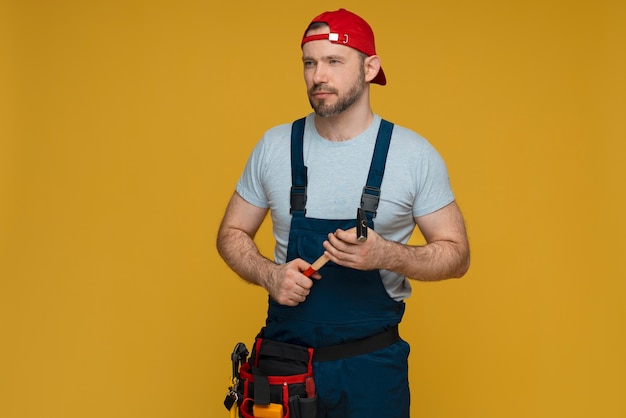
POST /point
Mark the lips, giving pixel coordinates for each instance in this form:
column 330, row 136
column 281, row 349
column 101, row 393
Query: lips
column 321, row 94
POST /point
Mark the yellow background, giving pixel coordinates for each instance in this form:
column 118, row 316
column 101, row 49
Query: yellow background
column 125, row 125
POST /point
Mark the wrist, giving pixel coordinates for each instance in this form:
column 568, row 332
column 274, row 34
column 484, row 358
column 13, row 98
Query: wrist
column 389, row 255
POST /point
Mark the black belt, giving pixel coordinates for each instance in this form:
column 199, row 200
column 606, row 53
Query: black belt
column 357, row 348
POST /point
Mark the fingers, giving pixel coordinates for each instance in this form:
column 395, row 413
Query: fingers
column 343, row 248
column 347, row 236
column 293, row 287
column 341, row 244
column 296, row 293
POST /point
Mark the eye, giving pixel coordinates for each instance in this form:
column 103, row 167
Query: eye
column 308, row 63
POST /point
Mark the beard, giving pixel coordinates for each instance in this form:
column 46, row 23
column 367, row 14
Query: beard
column 326, row 110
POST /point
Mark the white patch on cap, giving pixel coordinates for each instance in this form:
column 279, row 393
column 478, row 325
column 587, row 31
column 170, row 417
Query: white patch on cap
column 333, row 37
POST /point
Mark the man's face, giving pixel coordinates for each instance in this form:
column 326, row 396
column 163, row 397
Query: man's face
column 334, row 75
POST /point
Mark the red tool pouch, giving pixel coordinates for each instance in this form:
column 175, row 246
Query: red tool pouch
column 278, row 373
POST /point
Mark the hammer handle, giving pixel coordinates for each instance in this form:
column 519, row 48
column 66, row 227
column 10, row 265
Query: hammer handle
column 317, row 264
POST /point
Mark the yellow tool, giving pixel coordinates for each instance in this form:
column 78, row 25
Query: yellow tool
column 273, row 410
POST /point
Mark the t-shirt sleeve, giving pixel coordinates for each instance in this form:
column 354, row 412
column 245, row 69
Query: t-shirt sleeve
column 250, row 184
column 434, row 191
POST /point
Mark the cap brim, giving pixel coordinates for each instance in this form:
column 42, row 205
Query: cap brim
column 380, row 77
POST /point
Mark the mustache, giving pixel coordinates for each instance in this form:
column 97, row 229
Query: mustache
column 322, row 89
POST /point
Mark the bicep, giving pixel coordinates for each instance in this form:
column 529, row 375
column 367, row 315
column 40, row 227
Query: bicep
column 243, row 216
column 445, row 224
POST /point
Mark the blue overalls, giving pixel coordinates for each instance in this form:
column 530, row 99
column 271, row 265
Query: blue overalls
column 344, row 306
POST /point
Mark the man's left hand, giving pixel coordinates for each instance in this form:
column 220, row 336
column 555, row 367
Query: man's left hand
column 343, row 248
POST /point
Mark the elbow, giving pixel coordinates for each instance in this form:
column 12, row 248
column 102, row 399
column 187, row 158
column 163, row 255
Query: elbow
column 462, row 270
column 463, row 266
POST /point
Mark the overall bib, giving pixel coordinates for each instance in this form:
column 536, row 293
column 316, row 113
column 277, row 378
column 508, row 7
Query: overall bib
column 344, row 306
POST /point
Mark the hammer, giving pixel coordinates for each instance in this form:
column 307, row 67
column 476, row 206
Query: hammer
column 361, row 235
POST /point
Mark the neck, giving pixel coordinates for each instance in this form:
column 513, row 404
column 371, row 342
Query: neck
column 348, row 124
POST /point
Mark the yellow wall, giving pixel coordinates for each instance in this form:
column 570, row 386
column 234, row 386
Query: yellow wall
column 125, row 124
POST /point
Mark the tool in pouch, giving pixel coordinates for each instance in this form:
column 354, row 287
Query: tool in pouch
column 232, row 400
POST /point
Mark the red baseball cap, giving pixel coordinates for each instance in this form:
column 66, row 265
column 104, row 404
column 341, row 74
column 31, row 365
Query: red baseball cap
column 346, row 28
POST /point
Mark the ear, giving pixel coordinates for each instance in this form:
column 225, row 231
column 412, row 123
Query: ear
column 372, row 66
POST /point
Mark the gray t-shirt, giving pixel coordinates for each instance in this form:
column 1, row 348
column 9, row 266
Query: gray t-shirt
column 415, row 183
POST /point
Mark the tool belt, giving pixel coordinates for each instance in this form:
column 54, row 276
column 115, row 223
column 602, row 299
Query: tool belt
column 277, row 380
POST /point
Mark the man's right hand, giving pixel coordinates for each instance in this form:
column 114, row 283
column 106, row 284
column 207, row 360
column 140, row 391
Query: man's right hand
column 287, row 285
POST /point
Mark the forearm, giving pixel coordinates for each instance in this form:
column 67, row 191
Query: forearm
column 242, row 255
column 437, row 260
column 285, row 283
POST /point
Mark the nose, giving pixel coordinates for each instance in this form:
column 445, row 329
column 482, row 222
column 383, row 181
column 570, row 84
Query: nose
column 320, row 75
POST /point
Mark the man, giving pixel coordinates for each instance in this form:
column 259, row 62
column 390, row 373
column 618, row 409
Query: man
column 312, row 183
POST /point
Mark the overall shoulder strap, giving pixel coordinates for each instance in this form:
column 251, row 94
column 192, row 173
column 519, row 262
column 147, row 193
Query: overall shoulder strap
column 371, row 191
column 298, row 169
